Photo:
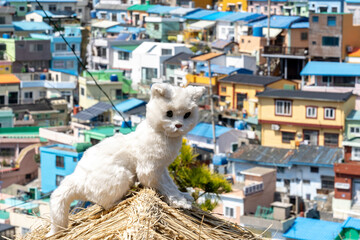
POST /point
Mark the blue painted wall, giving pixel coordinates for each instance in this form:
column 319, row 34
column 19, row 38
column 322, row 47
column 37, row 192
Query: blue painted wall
column 49, row 170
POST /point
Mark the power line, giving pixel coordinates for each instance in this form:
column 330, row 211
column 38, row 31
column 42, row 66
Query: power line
column 82, row 64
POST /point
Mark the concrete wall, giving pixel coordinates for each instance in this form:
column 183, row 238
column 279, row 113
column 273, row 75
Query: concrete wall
column 260, row 7
column 355, row 9
column 351, row 34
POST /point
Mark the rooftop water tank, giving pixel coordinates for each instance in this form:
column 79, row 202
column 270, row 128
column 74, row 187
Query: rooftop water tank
column 114, row 78
column 219, row 159
column 258, row 32
column 5, row 35
column 42, row 76
column 93, row 14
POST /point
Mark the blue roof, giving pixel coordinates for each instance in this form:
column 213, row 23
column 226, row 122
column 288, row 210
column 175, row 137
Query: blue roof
column 331, row 69
column 67, row 71
column 352, row 1
column 215, row 16
column 118, row 29
column 277, row 21
column 313, row 229
column 161, row 9
column 351, row 222
column 353, row 115
column 41, row 13
column 31, row 26
column 222, row 70
column 240, row 16
column 205, row 130
column 199, row 14
column 48, row 84
column 300, row 25
column 129, row 104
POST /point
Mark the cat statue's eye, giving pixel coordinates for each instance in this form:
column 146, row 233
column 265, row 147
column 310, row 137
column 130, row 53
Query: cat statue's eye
column 187, row 115
column 169, row 114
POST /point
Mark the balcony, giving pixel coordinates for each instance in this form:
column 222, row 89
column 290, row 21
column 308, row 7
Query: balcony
column 65, row 54
column 298, row 52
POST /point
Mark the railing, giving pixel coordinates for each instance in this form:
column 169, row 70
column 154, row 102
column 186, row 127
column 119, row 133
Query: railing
column 297, row 51
column 65, row 54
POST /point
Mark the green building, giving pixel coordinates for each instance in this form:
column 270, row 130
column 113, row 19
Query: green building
column 6, row 118
column 21, row 7
column 296, row 8
column 163, row 29
column 352, row 125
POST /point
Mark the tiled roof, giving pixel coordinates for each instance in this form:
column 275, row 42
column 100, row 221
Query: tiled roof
column 298, row 94
column 331, row 69
column 250, row 79
column 129, row 104
column 93, row 111
column 278, row 21
column 176, row 59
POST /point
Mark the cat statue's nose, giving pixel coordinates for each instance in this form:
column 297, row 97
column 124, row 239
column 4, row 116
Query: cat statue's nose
column 178, row 125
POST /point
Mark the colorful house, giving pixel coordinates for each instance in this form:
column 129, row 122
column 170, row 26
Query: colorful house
column 325, row 76
column 238, row 91
column 163, row 29
column 63, row 57
column 56, row 162
column 6, row 118
column 138, row 12
column 232, row 5
column 261, row 6
column 20, row 6
column 25, row 28
column 9, row 89
column 176, row 68
column 332, row 35
column 291, row 117
column 296, row 8
column 95, row 135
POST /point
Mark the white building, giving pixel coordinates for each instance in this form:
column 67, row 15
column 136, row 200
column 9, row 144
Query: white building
column 306, row 172
column 148, row 58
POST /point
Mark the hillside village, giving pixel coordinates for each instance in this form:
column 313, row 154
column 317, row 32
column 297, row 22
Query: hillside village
column 280, row 119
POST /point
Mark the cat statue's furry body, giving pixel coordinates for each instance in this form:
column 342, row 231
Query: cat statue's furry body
column 108, row 169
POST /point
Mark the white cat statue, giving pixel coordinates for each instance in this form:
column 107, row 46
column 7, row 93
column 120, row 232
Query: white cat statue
column 108, row 169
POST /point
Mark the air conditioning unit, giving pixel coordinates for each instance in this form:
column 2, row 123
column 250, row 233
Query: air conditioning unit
column 275, row 127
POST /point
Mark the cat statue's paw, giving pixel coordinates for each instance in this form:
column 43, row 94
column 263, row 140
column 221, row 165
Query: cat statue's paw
column 180, row 202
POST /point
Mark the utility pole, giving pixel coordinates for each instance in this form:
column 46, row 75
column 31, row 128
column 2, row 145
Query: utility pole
column 268, row 36
column 212, row 108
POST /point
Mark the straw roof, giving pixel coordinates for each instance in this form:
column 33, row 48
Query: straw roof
column 144, row 215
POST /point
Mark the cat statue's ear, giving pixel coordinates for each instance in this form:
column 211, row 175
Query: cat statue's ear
column 195, row 92
column 161, row 90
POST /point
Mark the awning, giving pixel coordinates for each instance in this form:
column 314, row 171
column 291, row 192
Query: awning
column 273, row 32
column 200, row 25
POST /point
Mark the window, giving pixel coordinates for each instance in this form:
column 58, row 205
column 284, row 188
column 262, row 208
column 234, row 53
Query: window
column 229, row 212
column 334, row 9
column 13, row 98
column 327, row 182
column 59, row 179
column 123, row 55
column 314, row 169
column 313, row 42
column 329, row 113
column 223, row 89
column 58, row 64
column 280, row 169
column 311, row 112
column 60, row 47
column 69, row 64
column 304, row 36
column 79, row 10
column 355, row 130
column 2, row 99
column 355, row 153
column 149, row 73
column 156, row 26
column 2, row 20
column 82, row 91
column 165, row 51
column 52, row 7
column 28, row 95
column 21, row 9
column 118, row 94
column 68, row 8
column 74, row 159
column 315, row 19
column 36, row 47
column 286, row 137
column 326, row 79
column 283, row 107
column 331, row 21
column 222, row 98
column 307, row 182
column 331, row 139
column 330, row 41
column 60, row 161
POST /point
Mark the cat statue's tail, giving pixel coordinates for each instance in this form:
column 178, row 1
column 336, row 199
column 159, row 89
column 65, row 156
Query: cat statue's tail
column 60, row 202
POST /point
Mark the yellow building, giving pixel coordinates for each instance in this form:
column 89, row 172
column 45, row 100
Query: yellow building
column 289, row 118
column 238, row 92
column 5, row 67
column 9, row 89
column 233, row 5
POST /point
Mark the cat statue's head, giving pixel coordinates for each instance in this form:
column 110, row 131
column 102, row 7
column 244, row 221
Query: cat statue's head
column 173, row 110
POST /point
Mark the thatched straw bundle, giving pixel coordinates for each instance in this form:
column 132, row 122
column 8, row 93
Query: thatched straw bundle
column 143, row 215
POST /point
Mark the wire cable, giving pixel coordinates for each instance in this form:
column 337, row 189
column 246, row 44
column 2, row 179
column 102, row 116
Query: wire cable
column 82, row 64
